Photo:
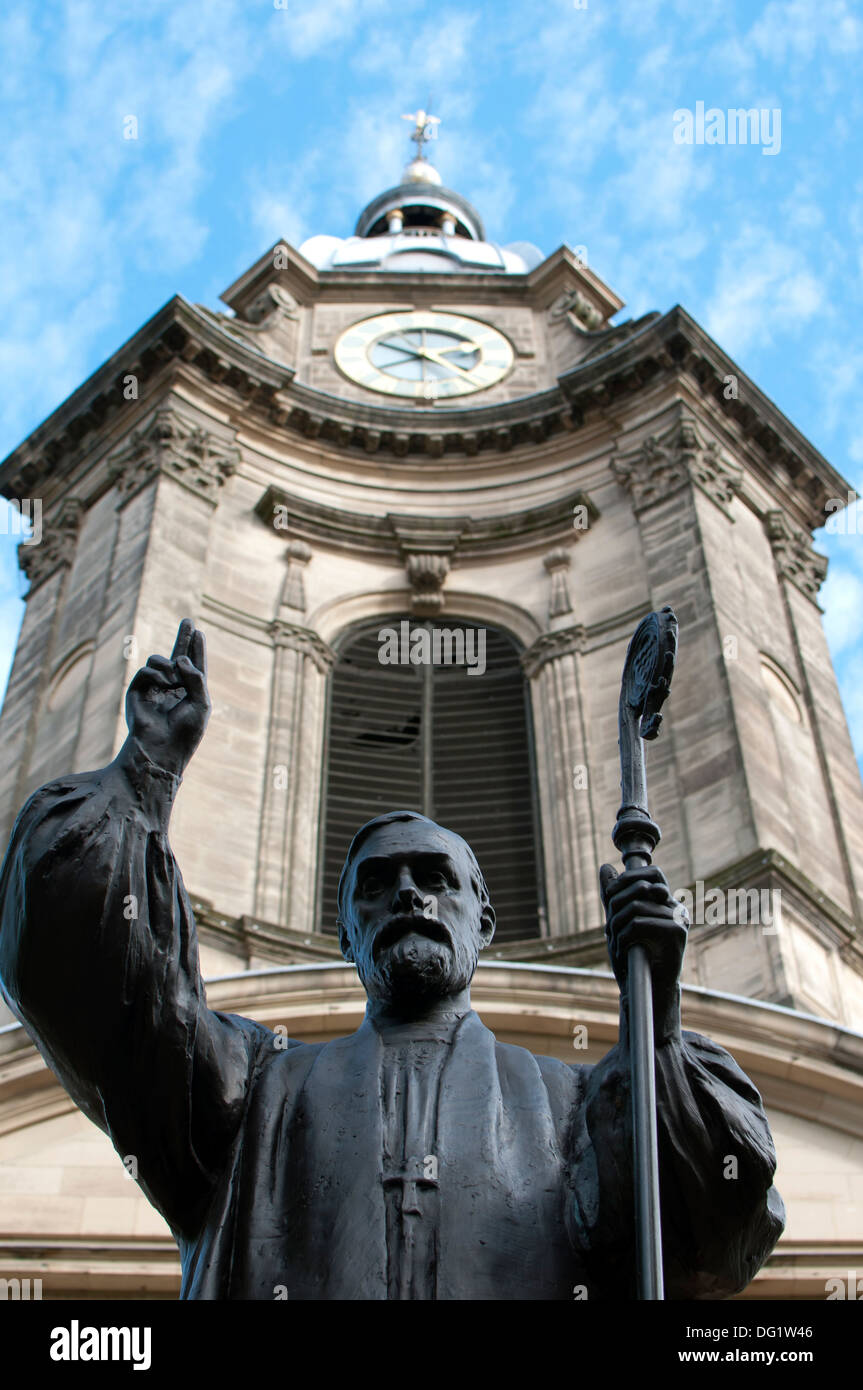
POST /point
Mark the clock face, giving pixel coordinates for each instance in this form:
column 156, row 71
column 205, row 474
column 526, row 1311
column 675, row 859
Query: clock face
column 423, row 354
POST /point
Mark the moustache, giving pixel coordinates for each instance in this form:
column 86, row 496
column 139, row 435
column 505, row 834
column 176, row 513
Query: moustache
column 406, row 923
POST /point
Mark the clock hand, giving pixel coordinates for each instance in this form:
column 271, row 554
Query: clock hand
column 392, row 342
column 465, row 345
column 405, row 354
column 441, row 362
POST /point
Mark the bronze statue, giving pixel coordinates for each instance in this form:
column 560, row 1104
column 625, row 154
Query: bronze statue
column 418, row 1158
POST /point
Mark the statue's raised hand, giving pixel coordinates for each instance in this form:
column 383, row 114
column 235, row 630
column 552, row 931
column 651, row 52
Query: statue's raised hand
column 642, row 911
column 167, row 705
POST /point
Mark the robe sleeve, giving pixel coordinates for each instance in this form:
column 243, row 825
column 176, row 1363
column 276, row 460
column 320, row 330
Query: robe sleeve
column 721, row 1215
column 99, row 959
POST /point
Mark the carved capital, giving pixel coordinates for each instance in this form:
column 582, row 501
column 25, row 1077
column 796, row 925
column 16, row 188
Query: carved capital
column 558, row 562
column 550, row 646
column 794, row 556
column 39, row 559
column 304, row 640
column 187, row 453
column 426, row 574
column 682, row 455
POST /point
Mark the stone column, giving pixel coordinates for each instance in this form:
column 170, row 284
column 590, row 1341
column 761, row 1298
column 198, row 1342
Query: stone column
column 553, row 666
column 286, row 880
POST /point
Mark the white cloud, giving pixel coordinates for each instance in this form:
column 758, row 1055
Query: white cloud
column 281, row 201
column 308, row 27
column 87, row 209
column 837, row 369
column 763, row 287
column 797, row 29
column 439, row 52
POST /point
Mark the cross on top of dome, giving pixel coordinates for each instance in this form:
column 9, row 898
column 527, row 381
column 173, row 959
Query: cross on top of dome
column 425, row 128
column 420, row 170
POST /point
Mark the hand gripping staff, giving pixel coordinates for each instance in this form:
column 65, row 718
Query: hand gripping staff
column 645, row 685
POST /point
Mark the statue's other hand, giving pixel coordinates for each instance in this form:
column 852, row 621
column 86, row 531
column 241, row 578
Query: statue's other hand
column 641, row 911
column 167, row 704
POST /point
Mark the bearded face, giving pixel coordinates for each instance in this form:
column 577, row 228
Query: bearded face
column 412, row 919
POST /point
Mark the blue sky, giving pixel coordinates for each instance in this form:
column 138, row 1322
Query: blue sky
column 261, row 119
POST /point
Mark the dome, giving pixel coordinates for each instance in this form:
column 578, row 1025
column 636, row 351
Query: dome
column 408, row 251
column 420, row 226
column 420, row 206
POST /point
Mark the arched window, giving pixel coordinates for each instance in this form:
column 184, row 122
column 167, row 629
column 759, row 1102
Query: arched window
column 449, row 737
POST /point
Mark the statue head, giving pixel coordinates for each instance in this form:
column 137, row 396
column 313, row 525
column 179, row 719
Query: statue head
column 414, row 911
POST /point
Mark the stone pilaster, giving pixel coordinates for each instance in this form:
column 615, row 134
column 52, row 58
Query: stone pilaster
column 123, row 545
column 288, row 845
column 552, row 665
column 697, row 772
column 801, row 571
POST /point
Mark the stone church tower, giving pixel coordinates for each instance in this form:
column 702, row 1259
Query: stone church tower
column 414, row 431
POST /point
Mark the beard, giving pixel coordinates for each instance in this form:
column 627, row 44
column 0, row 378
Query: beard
column 416, row 969
column 420, row 964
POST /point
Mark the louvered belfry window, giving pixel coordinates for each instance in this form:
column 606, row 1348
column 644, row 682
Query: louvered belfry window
column 433, row 738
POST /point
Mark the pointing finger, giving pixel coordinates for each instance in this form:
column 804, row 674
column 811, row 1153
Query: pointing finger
column 184, row 634
column 198, row 651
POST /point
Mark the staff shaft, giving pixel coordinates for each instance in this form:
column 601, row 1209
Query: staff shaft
column 648, row 1228
column 642, row 1067
column 646, row 679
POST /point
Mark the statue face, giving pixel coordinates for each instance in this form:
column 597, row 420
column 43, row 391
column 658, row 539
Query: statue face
column 414, row 923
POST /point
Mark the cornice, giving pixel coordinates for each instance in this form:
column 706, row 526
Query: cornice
column 299, row 275
column 770, row 445
column 803, row 1065
column 536, row 288
column 396, row 536
column 766, row 866
column 563, row 270
column 193, row 344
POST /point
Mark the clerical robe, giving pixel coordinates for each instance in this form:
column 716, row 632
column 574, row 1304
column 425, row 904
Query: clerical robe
column 359, row 1168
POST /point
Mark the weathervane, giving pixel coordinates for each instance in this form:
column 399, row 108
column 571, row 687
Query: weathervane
column 425, row 128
